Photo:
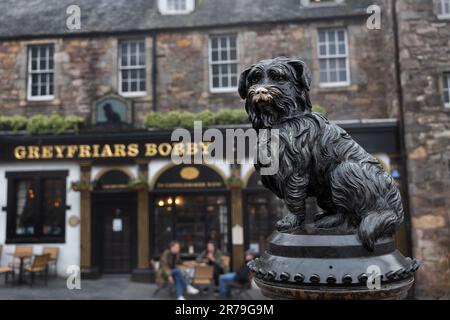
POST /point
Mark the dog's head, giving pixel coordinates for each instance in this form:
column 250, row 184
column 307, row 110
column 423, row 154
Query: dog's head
column 275, row 90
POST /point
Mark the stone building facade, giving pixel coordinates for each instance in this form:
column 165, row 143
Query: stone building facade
column 424, row 56
column 394, row 73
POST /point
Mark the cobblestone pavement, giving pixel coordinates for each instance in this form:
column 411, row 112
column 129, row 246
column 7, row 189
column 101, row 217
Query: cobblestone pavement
column 107, row 287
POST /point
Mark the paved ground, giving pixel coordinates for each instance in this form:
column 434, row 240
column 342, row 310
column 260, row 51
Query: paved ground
column 107, row 287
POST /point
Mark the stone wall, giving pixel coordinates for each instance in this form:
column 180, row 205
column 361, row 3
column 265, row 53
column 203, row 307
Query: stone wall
column 183, row 70
column 86, row 70
column 425, row 55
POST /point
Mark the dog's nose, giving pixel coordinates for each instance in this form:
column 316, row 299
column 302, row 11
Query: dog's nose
column 261, row 90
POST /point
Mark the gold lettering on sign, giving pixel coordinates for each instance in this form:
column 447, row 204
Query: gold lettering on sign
column 60, row 151
column 95, row 151
column 164, row 149
column 71, row 150
column 178, row 150
column 20, row 152
column 133, row 150
column 47, row 152
column 107, row 152
column 33, row 152
column 151, row 150
column 85, row 151
column 119, row 151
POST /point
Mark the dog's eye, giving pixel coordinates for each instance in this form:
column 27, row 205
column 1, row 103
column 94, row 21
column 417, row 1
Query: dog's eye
column 255, row 77
column 277, row 76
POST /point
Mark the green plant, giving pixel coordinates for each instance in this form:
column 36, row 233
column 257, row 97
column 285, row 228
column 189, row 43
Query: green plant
column 153, row 120
column 14, row 123
column 187, row 119
column 224, row 116
column 138, row 184
column 79, row 186
column 234, row 182
column 206, row 117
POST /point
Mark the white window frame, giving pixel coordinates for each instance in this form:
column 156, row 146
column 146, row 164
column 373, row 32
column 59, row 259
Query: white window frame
column 164, row 8
column 31, row 72
column 120, row 68
column 312, row 3
column 441, row 4
column 446, row 89
column 211, row 63
column 336, row 84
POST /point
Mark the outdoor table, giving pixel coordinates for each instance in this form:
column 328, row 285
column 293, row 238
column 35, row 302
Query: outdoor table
column 22, row 257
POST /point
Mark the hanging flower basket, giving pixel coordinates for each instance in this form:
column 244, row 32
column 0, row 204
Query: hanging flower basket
column 138, row 185
column 234, row 182
column 80, row 186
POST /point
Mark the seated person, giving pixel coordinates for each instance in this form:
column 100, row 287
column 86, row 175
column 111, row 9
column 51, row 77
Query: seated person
column 241, row 277
column 169, row 271
column 213, row 257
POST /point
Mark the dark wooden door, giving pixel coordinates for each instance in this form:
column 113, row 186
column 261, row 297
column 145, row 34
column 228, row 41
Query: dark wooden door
column 116, row 239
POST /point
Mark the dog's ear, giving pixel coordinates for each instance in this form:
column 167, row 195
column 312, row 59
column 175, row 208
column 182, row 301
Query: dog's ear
column 243, row 82
column 301, row 73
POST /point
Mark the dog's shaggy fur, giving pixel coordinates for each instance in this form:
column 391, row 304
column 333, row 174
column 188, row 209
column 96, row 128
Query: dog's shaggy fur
column 318, row 158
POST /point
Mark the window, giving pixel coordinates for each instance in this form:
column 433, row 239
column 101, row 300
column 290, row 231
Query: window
column 223, row 58
column 443, row 9
column 446, row 89
column 36, row 207
column 40, row 72
column 176, row 6
column 333, row 58
column 132, row 68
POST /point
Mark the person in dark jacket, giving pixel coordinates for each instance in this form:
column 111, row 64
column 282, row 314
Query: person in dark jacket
column 212, row 256
column 242, row 277
column 169, row 271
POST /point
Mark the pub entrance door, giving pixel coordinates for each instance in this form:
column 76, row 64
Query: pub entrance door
column 115, row 231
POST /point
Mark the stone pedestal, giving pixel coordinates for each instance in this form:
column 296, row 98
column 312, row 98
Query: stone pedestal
column 331, row 267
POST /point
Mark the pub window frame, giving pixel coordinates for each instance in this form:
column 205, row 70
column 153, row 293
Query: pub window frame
column 49, row 71
column 38, row 178
column 446, row 90
column 328, row 57
column 443, row 9
column 220, row 88
column 129, row 68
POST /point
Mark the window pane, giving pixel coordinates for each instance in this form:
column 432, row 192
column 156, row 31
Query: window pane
column 233, row 68
column 224, row 55
column 215, row 69
column 233, row 55
column 333, row 76
column 133, row 86
column 124, row 86
column 50, row 76
column 323, row 76
column 234, row 81
column 214, row 55
column 342, row 48
column 214, row 43
column 34, row 52
column 124, row 54
column 322, row 36
column 26, row 198
column 52, row 209
column 142, row 85
column 225, row 81
column 42, row 64
column 215, row 82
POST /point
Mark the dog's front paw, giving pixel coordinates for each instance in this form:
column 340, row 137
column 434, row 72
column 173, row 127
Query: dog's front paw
column 289, row 222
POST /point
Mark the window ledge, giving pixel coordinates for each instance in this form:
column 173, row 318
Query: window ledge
column 133, row 94
column 332, row 85
column 41, row 98
column 223, row 90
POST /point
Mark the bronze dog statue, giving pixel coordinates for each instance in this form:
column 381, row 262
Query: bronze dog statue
column 318, row 158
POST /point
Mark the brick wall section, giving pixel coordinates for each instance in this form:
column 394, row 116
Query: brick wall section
column 425, row 54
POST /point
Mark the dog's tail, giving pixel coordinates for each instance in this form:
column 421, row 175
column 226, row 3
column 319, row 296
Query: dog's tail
column 375, row 225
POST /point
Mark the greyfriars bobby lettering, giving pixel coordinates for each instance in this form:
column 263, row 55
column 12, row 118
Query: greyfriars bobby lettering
column 318, row 158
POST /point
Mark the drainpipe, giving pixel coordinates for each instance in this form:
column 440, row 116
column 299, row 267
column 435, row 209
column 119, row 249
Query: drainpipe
column 154, row 71
column 403, row 155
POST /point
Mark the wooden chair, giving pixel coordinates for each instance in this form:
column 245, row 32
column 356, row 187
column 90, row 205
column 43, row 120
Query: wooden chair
column 53, row 252
column 203, row 277
column 5, row 270
column 226, row 261
column 39, row 267
column 15, row 264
